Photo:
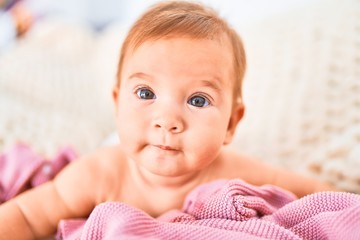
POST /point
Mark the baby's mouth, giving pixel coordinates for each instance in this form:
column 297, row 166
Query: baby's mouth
column 166, row 148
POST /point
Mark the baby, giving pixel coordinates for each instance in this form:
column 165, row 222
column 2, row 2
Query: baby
column 177, row 102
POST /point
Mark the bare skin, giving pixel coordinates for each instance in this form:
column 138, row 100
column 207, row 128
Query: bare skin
column 98, row 180
column 171, row 96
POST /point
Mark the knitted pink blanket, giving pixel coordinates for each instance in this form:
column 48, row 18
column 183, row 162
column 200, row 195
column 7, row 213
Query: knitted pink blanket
column 21, row 169
column 228, row 210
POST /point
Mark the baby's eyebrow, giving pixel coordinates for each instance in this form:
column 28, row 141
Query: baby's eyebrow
column 213, row 83
column 140, row 75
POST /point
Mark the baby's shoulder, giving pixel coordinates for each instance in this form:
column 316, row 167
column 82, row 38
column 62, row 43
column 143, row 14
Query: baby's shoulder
column 107, row 158
column 231, row 155
column 104, row 162
column 100, row 169
column 231, row 158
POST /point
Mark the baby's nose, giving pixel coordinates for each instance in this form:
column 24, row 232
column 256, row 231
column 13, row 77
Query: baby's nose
column 169, row 118
column 172, row 125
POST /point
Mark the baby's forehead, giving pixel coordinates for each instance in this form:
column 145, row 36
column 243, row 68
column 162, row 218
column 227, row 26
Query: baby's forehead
column 213, row 49
column 186, row 57
column 222, row 40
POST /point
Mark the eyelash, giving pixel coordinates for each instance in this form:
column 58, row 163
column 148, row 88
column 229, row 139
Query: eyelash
column 138, row 89
column 207, row 103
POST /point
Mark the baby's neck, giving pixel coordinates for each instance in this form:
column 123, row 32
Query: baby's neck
column 157, row 182
column 157, row 194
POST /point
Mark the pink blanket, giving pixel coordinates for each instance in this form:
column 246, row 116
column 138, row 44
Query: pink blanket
column 21, row 169
column 228, row 209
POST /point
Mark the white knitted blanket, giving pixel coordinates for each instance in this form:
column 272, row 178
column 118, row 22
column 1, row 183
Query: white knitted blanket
column 302, row 90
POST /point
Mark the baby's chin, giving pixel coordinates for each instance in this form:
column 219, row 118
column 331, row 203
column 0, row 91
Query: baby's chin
column 166, row 167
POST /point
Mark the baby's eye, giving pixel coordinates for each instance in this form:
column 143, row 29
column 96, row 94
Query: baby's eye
column 144, row 93
column 198, row 101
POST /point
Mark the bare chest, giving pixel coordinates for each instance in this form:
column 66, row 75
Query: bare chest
column 155, row 203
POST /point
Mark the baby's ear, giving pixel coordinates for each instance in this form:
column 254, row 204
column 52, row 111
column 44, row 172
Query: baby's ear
column 115, row 96
column 236, row 115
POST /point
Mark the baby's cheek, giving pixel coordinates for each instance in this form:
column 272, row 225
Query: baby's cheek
column 128, row 126
column 207, row 142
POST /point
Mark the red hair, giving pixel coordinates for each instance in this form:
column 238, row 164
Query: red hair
column 182, row 18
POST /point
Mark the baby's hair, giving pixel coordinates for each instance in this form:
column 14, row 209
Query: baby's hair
column 188, row 19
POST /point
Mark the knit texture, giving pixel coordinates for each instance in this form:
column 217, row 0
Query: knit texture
column 21, row 168
column 228, row 209
column 301, row 90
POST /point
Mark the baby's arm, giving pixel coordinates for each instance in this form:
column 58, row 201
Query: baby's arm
column 33, row 214
column 299, row 184
column 36, row 213
column 257, row 172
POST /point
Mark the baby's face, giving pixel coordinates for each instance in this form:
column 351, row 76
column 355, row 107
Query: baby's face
column 174, row 104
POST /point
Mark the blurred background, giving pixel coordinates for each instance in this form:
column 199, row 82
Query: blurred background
column 101, row 13
column 302, row 87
